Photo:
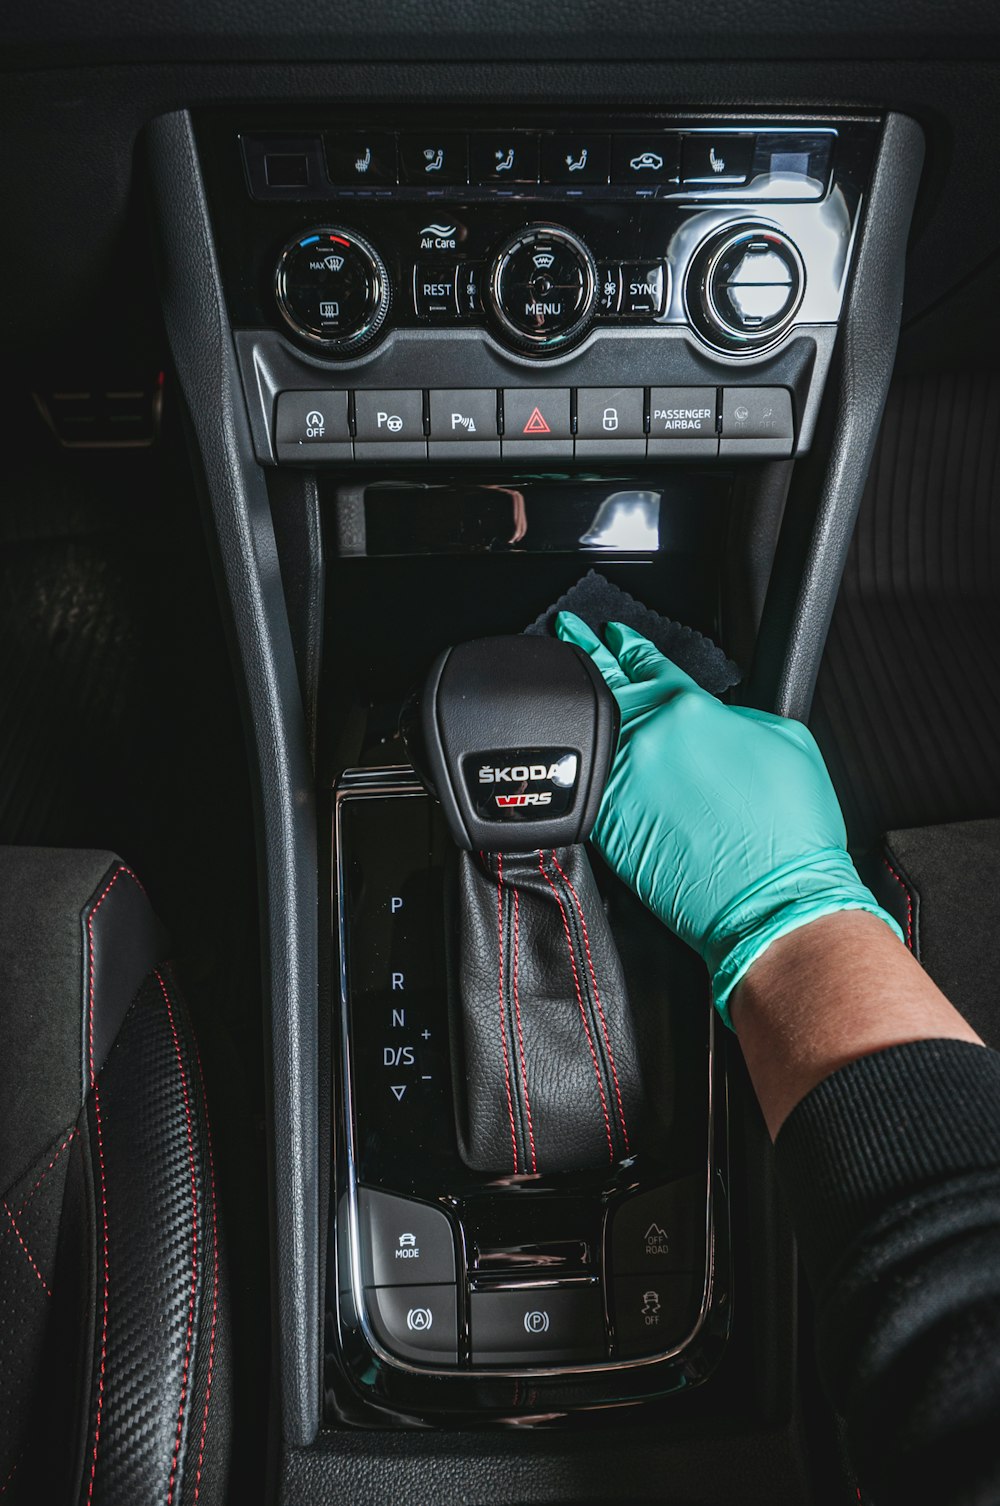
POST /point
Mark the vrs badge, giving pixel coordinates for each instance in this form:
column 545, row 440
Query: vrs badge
column 513, row 782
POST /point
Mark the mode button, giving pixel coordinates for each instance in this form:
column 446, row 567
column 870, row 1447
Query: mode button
column 403, row 1243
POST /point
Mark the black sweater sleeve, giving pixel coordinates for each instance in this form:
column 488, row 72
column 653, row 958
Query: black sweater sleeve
column 892, row 1170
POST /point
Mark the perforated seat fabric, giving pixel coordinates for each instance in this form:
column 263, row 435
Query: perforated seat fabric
column 114, row 1373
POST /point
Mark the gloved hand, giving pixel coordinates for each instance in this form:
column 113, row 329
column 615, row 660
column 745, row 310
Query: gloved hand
column 721, row 818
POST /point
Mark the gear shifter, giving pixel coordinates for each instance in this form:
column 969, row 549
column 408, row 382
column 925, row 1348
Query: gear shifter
column 515, row 736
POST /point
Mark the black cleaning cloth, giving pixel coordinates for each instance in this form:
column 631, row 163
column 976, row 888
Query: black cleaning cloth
column 597, row 601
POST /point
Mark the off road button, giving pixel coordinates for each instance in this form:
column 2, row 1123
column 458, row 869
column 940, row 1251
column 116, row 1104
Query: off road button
column 662, row 1230
column 403, row 1243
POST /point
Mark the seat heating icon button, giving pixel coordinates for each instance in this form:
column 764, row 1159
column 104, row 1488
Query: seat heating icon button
column 708, row 159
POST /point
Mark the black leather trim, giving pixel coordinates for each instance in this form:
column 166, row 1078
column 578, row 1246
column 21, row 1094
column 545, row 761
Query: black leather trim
column 547, row 1073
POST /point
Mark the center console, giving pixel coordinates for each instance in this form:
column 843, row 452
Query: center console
column 466, row 355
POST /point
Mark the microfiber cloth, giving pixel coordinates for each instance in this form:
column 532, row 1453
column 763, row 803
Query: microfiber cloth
column 597, row 601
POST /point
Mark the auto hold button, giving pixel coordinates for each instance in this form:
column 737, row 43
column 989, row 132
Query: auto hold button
column 418, row 1323
column 402, row 1242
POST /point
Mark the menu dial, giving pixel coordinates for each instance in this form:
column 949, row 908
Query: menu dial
column 543, row 288
column 332, row 289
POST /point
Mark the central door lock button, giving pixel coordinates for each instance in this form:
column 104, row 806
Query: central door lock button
column 609, row 421
column 610, row 413
column 403, row 1243
column 537, row 1326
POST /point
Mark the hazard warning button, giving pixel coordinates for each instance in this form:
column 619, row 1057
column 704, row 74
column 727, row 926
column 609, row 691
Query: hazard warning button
column 536, row 414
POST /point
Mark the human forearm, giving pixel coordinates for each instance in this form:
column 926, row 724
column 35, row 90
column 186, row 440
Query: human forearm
column 832, row 991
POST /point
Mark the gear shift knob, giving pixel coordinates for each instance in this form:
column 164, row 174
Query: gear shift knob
column 515, row 737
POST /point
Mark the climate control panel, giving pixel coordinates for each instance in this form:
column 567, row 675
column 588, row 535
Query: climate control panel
column 468, row 255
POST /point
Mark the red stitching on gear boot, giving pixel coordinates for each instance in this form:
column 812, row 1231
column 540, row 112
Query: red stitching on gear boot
column 24, row 1247
column 909, row 902
column 503, row 1027
column 194, row 1245
column 579, row 1000
column 520, row 1037
column 100, row 1156
column 600, row 1008
column 215, row 1279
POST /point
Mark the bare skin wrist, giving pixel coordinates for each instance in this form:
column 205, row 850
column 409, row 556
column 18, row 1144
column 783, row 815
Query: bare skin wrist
column 836, row 989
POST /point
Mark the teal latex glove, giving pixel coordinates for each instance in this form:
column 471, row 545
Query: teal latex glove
column 721, row 818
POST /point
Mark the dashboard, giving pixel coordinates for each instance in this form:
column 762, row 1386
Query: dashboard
column 456, row 304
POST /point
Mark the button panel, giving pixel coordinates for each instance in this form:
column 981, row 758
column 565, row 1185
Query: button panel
column 489, row 1281
column 521, row 423
column 781, row 162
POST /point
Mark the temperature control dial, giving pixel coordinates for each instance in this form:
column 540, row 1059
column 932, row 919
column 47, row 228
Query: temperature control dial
column 744, row 287
column 332, row 289
column 543, row 288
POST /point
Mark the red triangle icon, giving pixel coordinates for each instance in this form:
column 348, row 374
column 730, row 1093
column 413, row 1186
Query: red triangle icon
column 536, row 424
